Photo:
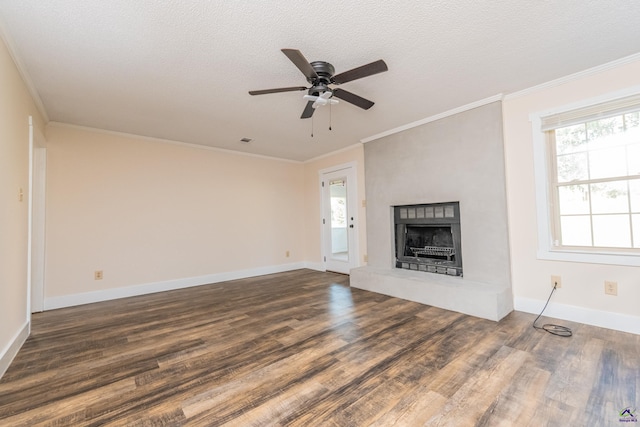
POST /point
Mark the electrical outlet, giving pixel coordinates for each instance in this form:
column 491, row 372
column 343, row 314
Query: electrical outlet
column 556, row 281
column 97, row 275
column 610, row 288
column 287, row 254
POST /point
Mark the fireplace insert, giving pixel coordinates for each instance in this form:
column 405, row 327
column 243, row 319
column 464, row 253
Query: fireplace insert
column 427, row 238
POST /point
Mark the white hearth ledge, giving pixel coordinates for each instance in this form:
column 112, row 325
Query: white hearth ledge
column 488, row 301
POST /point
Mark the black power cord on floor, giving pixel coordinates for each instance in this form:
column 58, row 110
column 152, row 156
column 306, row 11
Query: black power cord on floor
column 561, row 331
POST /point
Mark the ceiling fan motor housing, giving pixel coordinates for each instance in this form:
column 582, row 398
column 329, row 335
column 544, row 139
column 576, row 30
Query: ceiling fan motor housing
column 325, row 71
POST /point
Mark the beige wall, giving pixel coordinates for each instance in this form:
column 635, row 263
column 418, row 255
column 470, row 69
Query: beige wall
column 312, row 217
column 582, row 294
column 144, row 211
column 16, row 105
column 147, row 212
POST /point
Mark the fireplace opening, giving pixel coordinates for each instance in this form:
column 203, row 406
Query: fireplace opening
column 425, row 241
column 428, row 238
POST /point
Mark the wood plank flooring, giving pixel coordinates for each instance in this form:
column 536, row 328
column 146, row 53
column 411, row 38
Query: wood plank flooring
column 304, row 349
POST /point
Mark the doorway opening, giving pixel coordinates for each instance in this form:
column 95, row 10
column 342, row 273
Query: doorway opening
column 339, row 218
column 37, row 202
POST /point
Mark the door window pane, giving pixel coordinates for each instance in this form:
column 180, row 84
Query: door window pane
column 339, row 230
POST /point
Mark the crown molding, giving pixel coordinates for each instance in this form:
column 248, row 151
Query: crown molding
column 575, row 76
column 22, row 70
column 168, row 141
column 430, row 119
column 338, row 151
column 550, row 84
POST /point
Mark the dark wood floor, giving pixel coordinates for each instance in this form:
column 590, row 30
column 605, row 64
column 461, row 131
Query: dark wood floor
column 303, row 349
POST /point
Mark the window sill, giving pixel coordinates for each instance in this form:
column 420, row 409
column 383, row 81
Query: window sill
column 611, row 258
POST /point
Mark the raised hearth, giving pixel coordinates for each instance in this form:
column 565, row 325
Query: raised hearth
column 485, row 300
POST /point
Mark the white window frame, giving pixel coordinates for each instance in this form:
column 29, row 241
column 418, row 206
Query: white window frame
column 546, row 249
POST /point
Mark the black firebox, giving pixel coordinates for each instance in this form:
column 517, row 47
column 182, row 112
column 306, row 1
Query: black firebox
column 428, row 238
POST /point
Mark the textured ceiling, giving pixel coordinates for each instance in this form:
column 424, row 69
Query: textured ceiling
column 181, row 70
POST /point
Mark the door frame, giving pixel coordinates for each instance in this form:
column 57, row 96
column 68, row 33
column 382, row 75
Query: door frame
column 350, row 171
column 36, row 232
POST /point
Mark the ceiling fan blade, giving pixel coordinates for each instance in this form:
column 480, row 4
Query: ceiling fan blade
column 376, row 67
column 301, row 62
column 282, row 89
column 308, row 110
column 352, row 98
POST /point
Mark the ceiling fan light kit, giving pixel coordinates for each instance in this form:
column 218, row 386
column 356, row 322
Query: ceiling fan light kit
column 321, row 75
column 324, row 99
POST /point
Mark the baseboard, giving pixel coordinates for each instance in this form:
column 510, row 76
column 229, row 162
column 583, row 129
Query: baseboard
column 603, row 319
column 12, row 349
column 52, row 303
column 317, row 266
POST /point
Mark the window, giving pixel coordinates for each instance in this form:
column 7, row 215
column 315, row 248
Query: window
column 591, row 203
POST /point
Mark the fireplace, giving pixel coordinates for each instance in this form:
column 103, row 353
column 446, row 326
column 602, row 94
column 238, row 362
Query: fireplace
column 427, row 238
column 456, row 158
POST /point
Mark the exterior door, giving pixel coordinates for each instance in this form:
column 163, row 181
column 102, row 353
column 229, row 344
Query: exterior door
column 339, row 222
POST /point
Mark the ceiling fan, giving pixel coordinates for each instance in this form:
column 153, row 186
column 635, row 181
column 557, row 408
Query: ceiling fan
column 320, row 75
column 324, row 98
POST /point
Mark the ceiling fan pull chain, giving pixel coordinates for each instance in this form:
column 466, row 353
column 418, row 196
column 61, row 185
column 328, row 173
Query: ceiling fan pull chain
column 311, row 126
column 329, row 116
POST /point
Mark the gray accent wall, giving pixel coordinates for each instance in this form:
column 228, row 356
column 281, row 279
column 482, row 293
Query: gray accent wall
column 457, row 158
